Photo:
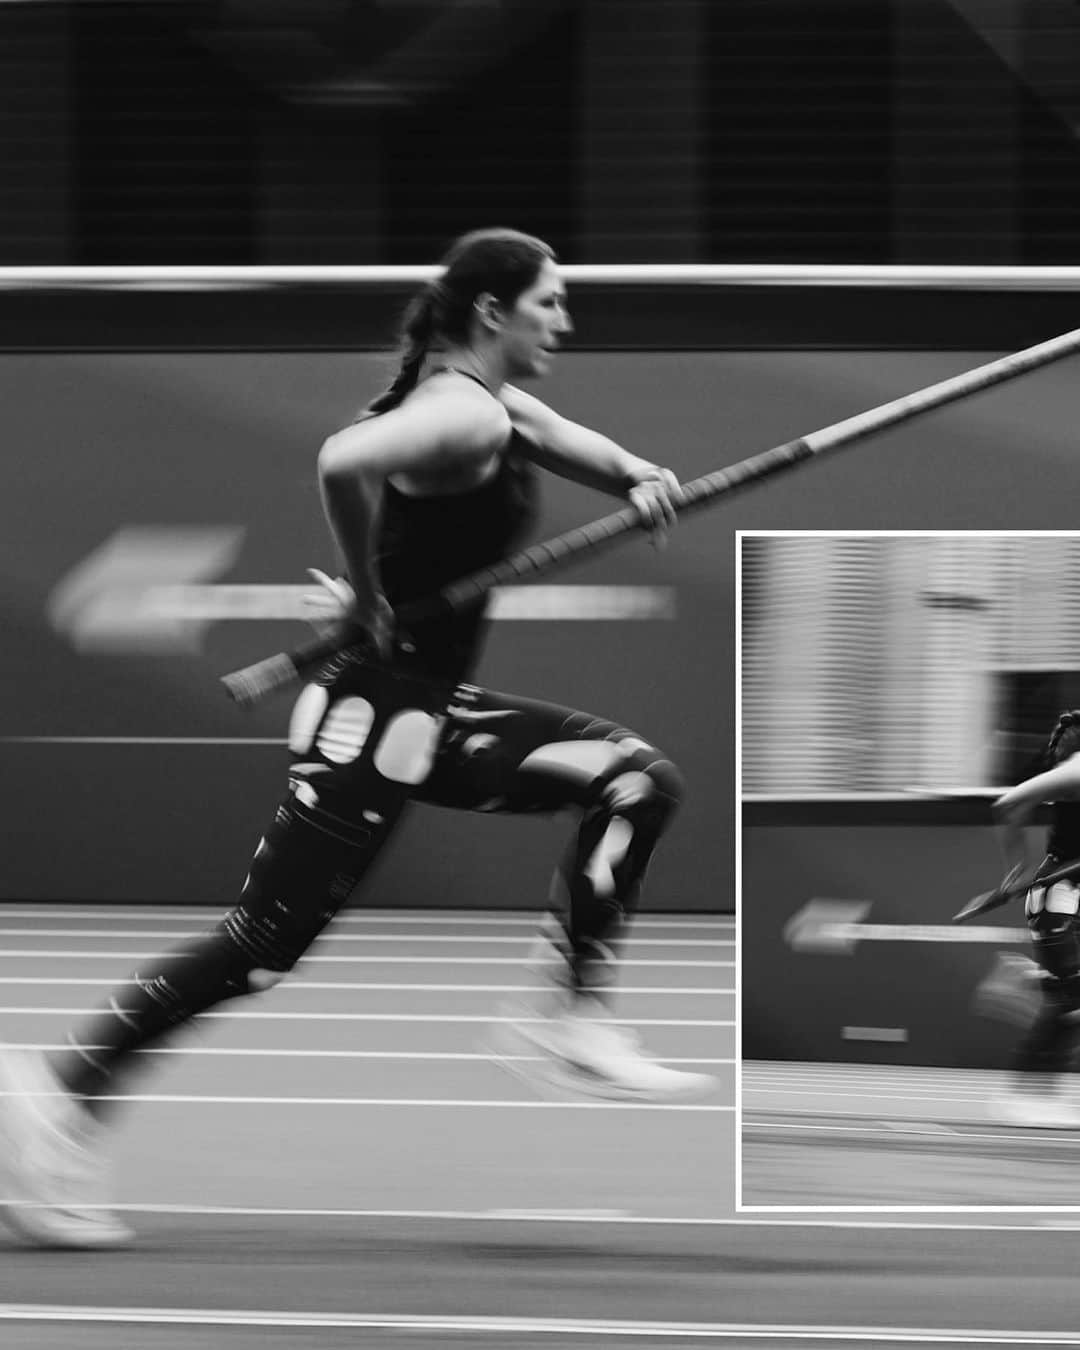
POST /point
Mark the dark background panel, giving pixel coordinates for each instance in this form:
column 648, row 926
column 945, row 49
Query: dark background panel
column 110, row 311
column 797, row 1001
column 101, row 442
column 110, row 442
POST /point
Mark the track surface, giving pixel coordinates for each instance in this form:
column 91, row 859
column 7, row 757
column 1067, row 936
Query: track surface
column 849, row 1135
column 337, row 1164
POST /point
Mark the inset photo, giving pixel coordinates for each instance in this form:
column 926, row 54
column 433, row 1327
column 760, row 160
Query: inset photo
column 908, row 762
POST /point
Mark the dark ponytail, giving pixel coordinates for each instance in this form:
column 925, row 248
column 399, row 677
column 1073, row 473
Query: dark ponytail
column 498, row 262
column 417, row 329
column 1064, row 739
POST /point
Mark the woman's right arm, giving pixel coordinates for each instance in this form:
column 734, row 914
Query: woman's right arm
column 351, row 490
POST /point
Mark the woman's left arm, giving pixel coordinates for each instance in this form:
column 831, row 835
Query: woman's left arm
column 585, row 456
column 1014, row 809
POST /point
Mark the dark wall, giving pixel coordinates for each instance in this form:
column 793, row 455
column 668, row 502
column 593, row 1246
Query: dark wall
column 316, row 131
column 101, row 441
column 805, row 1002
column 112, row 441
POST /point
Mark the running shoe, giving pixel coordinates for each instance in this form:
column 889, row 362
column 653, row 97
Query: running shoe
column 1011, row 992
column 589, row 1055
column 53, row 1174
column 1035, row 1110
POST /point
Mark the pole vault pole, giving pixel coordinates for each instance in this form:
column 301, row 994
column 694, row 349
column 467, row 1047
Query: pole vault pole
column 249, row 685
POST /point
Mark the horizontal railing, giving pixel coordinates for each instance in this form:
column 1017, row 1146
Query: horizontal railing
column 674, row 274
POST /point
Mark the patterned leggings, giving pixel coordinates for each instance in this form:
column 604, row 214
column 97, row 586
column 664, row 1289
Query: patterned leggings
column 354, row 771
column 1052, row 918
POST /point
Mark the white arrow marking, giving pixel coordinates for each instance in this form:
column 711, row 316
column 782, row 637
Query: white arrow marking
column 927, row 932
column 821, row 925
column 137, row 592
column 118, row 598
column 834, row 927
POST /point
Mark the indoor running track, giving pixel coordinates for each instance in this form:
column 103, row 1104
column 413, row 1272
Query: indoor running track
column 336, row 1164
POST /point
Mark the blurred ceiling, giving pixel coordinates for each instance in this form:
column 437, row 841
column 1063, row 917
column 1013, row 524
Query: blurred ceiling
column 380, row 53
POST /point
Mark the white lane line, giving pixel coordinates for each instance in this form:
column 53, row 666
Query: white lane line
column 918, row 1092
column 333, row 936
column 851, row 1088
column 13, row 954
column 48, row 981
column 955, row 1130
column 207, row 1099
column 330, row 1054
column 377, row 1017
column 882, row 1127
column 856, row 1082
column 859, row 1072
column 468, row 1215
column 840, row 1103
column 816, row 1219
column 481, row 1325
column 959, row 1091
column 926, row 1098
column 897, row 1072
column 963, row 1080
column 449, row 918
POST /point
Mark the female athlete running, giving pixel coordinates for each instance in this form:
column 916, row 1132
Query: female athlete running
column 434, row 480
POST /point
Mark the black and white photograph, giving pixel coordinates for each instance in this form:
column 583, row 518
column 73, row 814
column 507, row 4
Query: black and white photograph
column 541, row 709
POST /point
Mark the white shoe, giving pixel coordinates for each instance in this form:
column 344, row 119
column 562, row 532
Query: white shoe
column 1011, row 992
column 589, row 1055
column 53, row 1176
column 1035, row 1110
column 547, row 968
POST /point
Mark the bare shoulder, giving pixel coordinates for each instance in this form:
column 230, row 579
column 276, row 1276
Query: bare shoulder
column 459, row 414
column 435, row 427
column 528, row 414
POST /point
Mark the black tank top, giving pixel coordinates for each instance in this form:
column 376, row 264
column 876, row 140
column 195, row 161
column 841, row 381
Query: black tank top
column 1063, row 842
column 427, row 542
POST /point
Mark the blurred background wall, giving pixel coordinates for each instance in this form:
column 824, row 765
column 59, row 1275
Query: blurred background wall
column 166, row 133
column 927, row 663
column 128, row 775
column 371, row 131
